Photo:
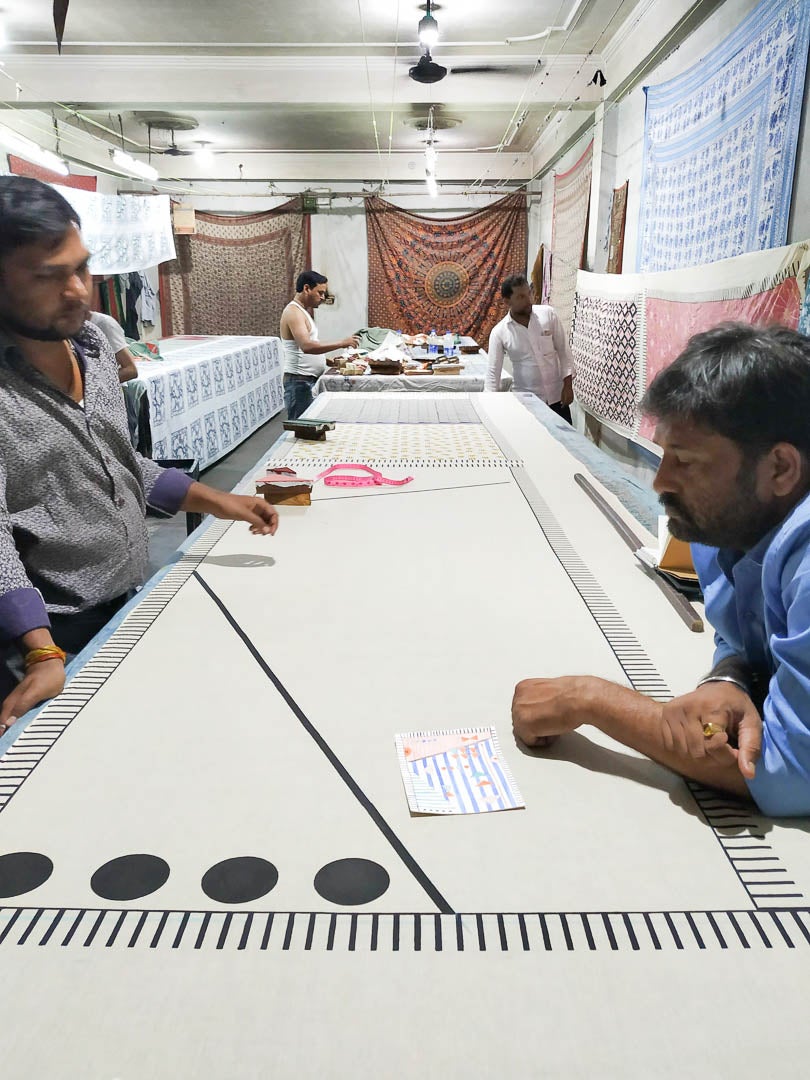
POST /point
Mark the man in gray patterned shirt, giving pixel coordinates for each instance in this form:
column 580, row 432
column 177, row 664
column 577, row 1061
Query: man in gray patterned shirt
column 73, row 493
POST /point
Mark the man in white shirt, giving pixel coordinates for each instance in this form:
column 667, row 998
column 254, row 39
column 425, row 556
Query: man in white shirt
column 118, row 343
column 534, row 340
column 303, row 353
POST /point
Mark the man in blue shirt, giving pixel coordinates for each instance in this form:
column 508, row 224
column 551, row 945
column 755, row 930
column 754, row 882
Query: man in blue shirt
column 733, row 421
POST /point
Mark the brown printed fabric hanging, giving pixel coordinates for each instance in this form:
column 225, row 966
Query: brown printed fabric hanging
column 235, row 274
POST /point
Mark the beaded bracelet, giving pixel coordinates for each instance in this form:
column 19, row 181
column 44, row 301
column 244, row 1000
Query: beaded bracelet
column 48, row 652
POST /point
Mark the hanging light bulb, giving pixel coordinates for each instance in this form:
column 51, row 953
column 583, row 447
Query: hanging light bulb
column 428, row 29
column 204, row 155
column 432, row 186
column 431, row 154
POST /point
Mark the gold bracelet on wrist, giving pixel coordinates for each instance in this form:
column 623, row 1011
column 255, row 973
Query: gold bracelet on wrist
column 47, row 652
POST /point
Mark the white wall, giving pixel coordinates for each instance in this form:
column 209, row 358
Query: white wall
column 339, row 251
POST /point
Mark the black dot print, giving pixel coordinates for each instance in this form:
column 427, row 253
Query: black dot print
column 22, row 871
column 351, row 881
column 130, row 877
column 239, row 880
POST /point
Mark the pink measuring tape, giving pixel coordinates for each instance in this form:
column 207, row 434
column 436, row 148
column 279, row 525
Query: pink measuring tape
column 373, row 478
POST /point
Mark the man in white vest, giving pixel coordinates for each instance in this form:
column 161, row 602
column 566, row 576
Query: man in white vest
column 303, row 353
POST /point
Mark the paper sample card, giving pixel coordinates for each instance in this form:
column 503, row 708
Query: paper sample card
column 461, row 771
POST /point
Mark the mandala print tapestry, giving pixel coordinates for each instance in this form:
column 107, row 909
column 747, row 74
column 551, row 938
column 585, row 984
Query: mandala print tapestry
column 425, row 273
column 606, row 346
column 572, row 193
column 720, row 145
column 618, row 217
column 235, row 274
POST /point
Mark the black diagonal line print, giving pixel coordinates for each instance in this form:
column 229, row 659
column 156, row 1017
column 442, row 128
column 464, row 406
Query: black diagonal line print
column 410, row 862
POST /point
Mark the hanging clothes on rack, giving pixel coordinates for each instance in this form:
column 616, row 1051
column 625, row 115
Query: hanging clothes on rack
column 148, row 301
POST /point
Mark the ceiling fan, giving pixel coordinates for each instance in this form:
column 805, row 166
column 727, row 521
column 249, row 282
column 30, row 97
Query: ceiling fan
column 172, row 150
column 427, row 71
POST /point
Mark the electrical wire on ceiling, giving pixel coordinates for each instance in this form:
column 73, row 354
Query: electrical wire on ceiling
column 662, row 51
column 368, row 81
column 576, row 74
column 663, row 47
column 571, row 81
column 569, row 29
column 393, row 93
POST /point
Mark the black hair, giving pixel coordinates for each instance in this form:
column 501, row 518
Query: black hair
column 750, row 384
column 32, row 213
column 508, row 285
column 309, row 277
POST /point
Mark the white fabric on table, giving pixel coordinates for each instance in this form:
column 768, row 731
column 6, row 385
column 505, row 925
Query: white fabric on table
column 211, row 393
column 470, row 380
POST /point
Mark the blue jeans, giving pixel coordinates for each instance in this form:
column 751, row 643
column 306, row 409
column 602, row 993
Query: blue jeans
column 297, row 394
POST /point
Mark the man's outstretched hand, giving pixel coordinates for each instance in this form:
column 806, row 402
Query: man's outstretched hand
column 257, row 512
column 42, row 681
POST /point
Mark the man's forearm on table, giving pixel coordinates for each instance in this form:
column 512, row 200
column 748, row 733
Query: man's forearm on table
column 636, row 721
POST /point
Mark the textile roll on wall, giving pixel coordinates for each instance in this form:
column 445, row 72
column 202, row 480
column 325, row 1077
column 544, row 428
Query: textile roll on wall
column 445, row 274
column 618, row 219
column 236, row 273
column 572, row 196
column 628, row 327
column 720, row 144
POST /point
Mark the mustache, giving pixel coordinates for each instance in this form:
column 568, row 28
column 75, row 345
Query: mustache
column 672, row 505
column 669, row 502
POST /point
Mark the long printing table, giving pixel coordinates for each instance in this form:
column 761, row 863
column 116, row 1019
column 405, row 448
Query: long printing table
column 471, row 379
column 207, row 863
column 209, row 394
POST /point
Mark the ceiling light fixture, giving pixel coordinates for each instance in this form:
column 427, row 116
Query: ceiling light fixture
column 428, row 29
column 205, row 155
column 130, row 165
column 431, row 156
column 31, row 151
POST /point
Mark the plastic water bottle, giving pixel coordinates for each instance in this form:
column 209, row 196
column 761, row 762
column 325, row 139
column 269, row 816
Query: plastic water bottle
column 433, row 345
column 448, row 344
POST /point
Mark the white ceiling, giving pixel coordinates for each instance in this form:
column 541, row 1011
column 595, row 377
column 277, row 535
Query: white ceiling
column 266, row 81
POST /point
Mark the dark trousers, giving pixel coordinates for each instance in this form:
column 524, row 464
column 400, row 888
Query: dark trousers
column 298, row 394
column 70, row 632
column 562, row 410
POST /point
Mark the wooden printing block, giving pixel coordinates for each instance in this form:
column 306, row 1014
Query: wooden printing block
column 309, row 429
column 286, row 494
column 283, row 488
